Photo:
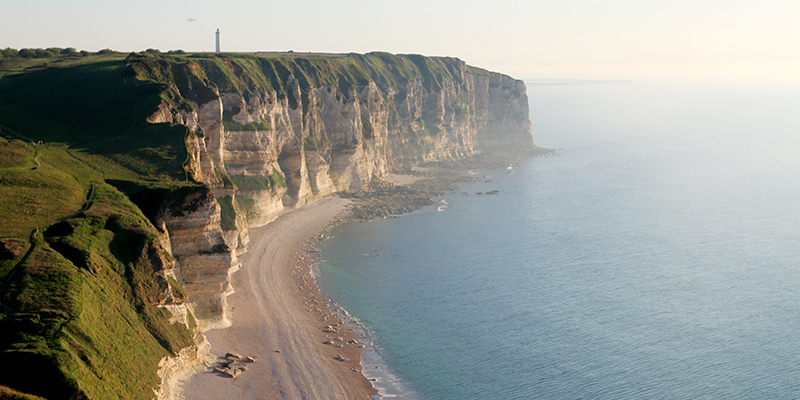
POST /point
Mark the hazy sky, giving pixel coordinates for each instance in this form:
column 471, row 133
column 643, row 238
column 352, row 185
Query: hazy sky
column 612, row 39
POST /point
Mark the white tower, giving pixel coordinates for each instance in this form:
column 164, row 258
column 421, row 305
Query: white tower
column 217, row 40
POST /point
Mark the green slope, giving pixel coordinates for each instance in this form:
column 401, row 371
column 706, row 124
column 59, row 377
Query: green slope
column 81, row 267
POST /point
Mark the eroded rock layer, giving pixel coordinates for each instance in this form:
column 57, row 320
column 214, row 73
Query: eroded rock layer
column 270, row 132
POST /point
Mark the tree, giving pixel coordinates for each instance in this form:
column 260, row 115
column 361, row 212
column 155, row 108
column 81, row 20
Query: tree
column 27, row 53
column 9, row 52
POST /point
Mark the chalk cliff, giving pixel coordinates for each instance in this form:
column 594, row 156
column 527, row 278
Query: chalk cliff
column 271, row 132
column 130, row 217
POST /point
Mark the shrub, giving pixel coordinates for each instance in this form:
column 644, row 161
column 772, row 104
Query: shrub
column 9, row 52
column 27, row 53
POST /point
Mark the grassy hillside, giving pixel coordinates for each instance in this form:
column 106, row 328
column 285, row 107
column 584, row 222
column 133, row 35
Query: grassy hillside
column 81, row 267
column 81, row 305
column 7, row 393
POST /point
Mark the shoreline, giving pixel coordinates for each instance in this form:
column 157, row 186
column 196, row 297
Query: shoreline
column 280, row 317
column 305, row 345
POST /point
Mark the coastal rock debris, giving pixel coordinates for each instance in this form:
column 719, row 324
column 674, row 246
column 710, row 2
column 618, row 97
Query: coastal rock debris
column 233, row 365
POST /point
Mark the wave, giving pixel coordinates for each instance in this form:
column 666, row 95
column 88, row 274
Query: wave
column 374, row 367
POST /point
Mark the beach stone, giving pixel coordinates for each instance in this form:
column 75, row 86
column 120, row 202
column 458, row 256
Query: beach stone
column 233, row 355
column 233, row 373
column 249, row 359
column 341, row 358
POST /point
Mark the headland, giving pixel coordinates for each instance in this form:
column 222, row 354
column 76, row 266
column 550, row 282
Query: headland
column 171, row 167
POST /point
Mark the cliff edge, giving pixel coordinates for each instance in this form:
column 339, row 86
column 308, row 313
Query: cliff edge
column 275, row 132
column 204, row 146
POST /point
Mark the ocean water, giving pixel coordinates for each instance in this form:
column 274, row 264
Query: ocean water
column 655, row 255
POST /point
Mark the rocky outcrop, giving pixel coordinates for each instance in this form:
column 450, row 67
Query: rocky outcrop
column 275, row 132
column 204, row 260
column 171, row 370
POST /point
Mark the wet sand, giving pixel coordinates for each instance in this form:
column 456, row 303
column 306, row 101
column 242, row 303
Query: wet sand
column 279, row 316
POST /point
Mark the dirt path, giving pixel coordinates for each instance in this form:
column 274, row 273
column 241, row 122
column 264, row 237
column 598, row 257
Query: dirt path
column 275, row 317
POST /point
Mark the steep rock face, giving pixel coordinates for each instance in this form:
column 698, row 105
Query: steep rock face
column 506, row 114
column 205, row 261
column 276, row 132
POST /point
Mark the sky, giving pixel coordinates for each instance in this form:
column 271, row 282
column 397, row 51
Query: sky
column 735, row 40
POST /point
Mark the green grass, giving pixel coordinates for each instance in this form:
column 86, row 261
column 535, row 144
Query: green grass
column 227, row 213
column 20, row 65
column 84, row 313
column 263, row 125
column 35, row 197
column 72, row 104
column 313, row 144
column 83, row 303
column 7, row 393
column 255, row 182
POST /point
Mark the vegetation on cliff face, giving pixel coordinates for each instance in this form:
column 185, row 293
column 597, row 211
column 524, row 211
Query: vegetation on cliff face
column 246, row 182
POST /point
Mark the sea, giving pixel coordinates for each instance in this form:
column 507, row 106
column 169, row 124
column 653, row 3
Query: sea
column 654, row 254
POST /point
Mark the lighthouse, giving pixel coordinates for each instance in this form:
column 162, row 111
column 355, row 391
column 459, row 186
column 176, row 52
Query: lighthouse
column 217, row 40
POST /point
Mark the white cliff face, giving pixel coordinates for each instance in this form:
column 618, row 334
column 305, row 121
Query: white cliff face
column 287, row 147
column 204, row 260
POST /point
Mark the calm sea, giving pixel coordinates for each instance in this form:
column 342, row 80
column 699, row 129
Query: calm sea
column 655, row 255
